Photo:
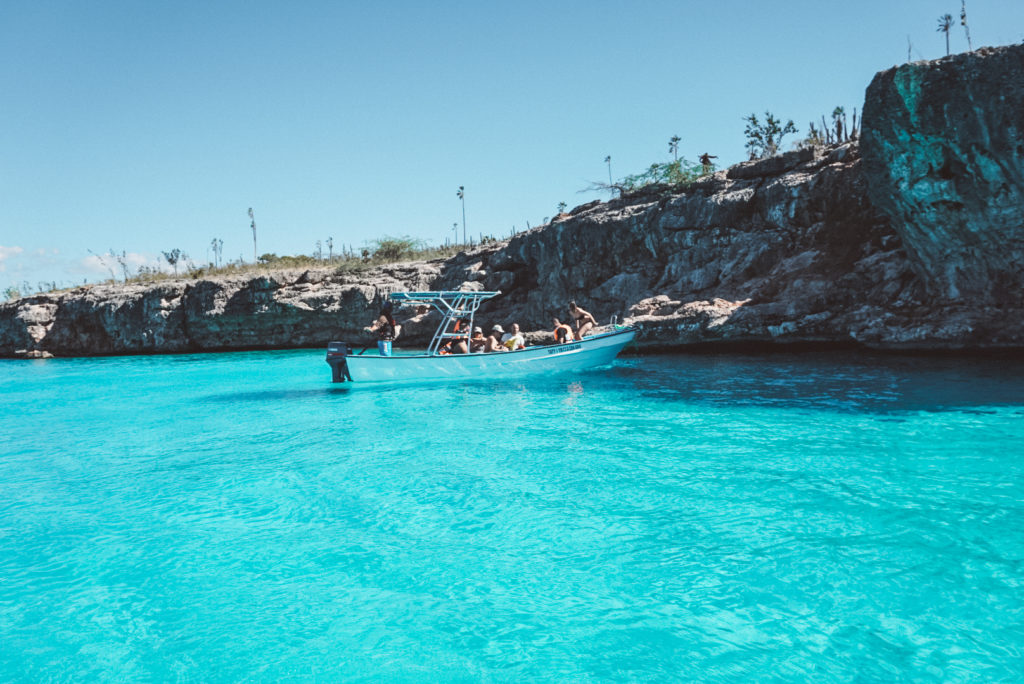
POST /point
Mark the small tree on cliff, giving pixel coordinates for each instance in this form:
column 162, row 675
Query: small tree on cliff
column 763, row 140
column 839, row 122
column 945, row 23
column 173, row 257
column 392, row 249
column 963, row 22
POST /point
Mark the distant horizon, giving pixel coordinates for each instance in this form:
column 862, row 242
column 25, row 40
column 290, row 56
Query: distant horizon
column 142, row 129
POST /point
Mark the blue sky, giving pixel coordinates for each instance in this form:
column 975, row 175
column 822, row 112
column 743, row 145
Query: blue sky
column 147, row 126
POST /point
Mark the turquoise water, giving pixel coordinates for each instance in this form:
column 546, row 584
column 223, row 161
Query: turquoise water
column 235, row 516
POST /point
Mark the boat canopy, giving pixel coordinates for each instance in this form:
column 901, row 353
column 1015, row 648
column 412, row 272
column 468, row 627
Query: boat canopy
column 454, row 306
column 441, row 295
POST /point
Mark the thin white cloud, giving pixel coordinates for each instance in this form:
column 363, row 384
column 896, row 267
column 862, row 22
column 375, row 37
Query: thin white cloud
column 95, row 264
column 34, row 268
column 135, row 260
column 6, row 253
column 105, row 263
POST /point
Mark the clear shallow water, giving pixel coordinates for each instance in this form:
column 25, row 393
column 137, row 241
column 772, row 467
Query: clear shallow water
column 225, row 517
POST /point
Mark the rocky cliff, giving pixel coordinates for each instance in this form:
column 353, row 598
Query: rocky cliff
column 944, row 158
column 913, row 239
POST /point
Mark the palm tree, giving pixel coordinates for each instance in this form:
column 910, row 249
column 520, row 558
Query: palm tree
column 561, row 207
column 255, row 252
column 462, row 196
column 963, row 22
column 673, row 146
column 608, row 161
column 838, row 114
column 218, row 248
column 945, row 23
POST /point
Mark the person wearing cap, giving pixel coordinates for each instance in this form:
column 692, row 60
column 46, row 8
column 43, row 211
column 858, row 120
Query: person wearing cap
column 385, row 328
column 493, row 342
column 476, row 340
column 514, row 339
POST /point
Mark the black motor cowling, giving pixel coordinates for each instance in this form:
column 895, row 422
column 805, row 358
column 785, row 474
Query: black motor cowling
column 336, row 353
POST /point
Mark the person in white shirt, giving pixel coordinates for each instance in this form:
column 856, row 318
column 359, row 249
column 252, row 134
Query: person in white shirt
column 514, row 339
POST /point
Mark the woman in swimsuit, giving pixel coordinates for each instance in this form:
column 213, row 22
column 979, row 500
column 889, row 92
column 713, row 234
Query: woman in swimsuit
column 584, row 320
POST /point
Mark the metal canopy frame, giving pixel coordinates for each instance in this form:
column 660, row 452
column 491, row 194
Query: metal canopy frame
column 453, row 306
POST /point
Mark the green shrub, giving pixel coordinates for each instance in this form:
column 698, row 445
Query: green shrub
column 764, row 139
column 392, row 249
column 675, row 174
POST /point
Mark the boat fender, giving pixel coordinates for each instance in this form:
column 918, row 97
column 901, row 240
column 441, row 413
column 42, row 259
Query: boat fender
column 336, row 353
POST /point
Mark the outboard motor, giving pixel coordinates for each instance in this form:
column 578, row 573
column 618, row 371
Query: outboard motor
column 336, row 353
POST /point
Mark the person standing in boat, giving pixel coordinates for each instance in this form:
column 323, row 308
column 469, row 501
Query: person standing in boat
column 385, row 328
column 584, row 320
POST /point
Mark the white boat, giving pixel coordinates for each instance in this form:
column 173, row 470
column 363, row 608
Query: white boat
column 592, row 351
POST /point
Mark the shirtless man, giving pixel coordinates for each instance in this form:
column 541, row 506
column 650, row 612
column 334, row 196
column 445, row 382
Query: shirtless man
column 493, row 341
column 584, row 320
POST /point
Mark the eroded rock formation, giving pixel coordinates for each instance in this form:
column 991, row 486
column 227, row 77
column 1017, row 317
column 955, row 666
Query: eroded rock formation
column 943, row 149
column 917, row 245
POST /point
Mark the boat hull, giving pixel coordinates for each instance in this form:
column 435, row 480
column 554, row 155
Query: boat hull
column 593, row 351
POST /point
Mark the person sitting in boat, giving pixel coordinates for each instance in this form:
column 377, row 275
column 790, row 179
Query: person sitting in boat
column 477, row 341
column 455, row 345
column 514, row 339
column 584, row 320
column 493, row 341
column 563, row 333
column 385, row 328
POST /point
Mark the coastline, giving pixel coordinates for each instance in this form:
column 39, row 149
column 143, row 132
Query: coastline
column 908, row 240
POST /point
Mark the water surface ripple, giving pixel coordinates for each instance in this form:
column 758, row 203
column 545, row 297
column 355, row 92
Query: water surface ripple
column 235, row 516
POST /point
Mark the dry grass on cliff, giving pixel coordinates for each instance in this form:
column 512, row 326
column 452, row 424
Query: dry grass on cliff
column 386, row 251
column 273, row 264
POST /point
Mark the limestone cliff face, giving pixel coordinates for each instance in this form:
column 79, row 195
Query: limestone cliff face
column 279, row 310
column 782, row 250
column 943, row 146
column 916, row 245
